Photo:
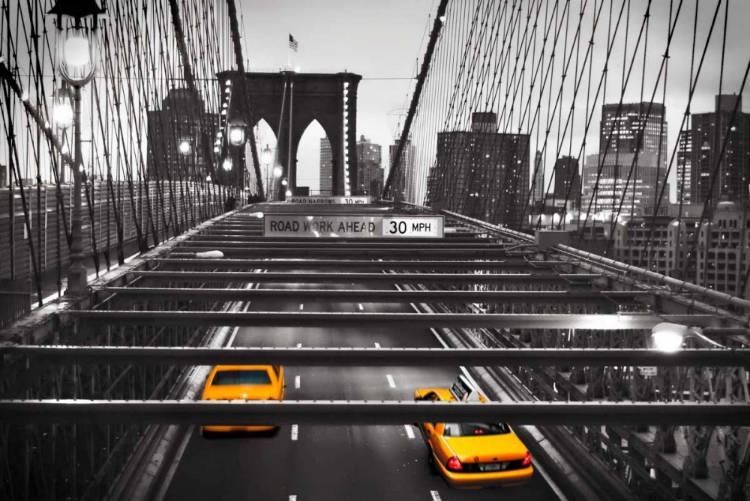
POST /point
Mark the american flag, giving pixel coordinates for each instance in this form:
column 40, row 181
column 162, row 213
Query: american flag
column 292, row 43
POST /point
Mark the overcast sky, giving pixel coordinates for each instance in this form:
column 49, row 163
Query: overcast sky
column 382, row 39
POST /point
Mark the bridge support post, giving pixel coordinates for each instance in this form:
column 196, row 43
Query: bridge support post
column 77, row 272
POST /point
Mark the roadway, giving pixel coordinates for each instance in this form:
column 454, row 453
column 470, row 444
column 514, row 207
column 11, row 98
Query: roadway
column 330, row 462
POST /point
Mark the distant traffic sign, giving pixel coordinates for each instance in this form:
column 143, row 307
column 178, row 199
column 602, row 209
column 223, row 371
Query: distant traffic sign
column 339, row 226
column 318, row 200
column 648, row 371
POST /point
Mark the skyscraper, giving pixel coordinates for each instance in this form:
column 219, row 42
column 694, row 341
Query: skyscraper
column 684, row 166
column 326, row 167
column 539, row 187
column 403, row 183
column 369, row 168
column 630, row 175
column 482, row 173
column 180, row 137
column 709, row 131
column 621, row 124
column 567, row 182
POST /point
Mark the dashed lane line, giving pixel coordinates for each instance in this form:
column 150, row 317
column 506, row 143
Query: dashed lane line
column 391, row 382
column 295, row 432
column 297, row 381
column 409, row 431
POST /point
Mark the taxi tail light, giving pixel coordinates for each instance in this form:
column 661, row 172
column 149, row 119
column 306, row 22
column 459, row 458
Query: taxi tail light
column 454, row 464
column 527, row 459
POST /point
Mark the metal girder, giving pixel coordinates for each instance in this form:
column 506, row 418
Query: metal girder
column 422, row 278
column 334, row 412
column 372, row 296
column 358, row 264
column 380, row 357
column 327, row 319
column 343, row 250
column 244, row 237
column 314, row 244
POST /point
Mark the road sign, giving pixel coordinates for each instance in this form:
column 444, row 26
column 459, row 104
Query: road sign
column 647, row 371
column 411, row 226
column 362, row 226
column 318, row 200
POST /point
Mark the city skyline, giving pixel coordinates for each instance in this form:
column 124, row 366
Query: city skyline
column 350, row 48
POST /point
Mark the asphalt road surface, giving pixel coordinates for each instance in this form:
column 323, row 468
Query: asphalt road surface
column 331, row 463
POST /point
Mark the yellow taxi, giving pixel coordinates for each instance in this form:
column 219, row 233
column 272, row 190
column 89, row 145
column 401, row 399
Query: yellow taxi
column 243, row 382
column 473, row 455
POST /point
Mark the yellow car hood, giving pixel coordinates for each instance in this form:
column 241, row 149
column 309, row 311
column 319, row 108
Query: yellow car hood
column 487, row 448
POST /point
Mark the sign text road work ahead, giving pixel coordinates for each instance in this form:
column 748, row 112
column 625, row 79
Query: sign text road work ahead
column 318, row 200
column 335, row 226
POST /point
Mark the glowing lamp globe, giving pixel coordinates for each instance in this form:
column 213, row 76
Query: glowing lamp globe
column 237, row 135
column 78, row 53
column 267, row 155
column 62, row 109
column 277, row 172
column 184, row 147
column 227, row 165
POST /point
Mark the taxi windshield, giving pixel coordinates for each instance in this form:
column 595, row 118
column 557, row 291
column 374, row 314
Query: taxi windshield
column 238, row 377
column 475, row 429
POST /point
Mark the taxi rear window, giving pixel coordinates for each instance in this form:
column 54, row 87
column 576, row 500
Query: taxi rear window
column 475, row 429
column 227, row 378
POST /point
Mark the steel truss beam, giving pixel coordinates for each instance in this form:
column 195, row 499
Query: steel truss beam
column 370, row 413
column 218, row 264
column 379, row 357
column 341, row 250
column 455, row 320
column 373, row 296
column 219, row 236
column 422, row 278
column 313, row 244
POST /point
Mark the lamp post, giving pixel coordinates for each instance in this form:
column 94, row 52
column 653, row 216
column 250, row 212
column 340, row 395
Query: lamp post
column 267, row 157
column 78, row 51
column 62, row 117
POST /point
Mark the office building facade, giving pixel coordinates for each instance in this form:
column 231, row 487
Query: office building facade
column 685, row 166
column 567, row 182
column 326, row 167
column 180, row 138
column 482, row 173
column 721, row 145
column 403, row 183
column 369, row 168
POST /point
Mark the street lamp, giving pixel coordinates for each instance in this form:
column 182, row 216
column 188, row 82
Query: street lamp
column 236, row 135
column 267, row 157
column 77, row 56
column 669, row 337
column 62, row 108
column 227, row 165
column 184, row 147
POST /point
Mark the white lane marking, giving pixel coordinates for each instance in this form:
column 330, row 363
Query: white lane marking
column 391, row 382
column 409, row 431
column 237, row 329
column 301, row 306
column 361, row 307
column 296, row 382
column 234, row 335
column 295, row 432
column 377, row 345
column 292, row 498
column 435, row 496
column 299, row 345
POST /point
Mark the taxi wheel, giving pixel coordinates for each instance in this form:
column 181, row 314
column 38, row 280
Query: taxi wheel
column 431, row 463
